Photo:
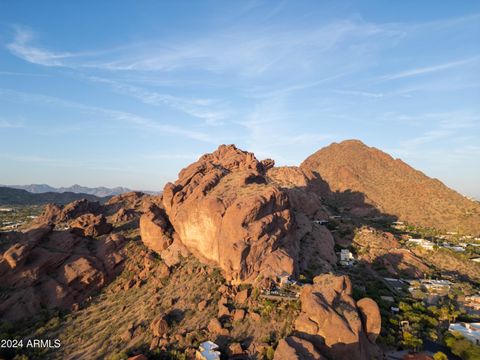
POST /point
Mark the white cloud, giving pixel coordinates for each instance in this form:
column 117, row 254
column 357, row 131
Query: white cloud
column 360, row 93
column 141, row 122
column 430, row 69
column 20, row 46
column 213, row 112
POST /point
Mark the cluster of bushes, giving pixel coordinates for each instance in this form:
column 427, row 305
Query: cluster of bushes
column 462, row 347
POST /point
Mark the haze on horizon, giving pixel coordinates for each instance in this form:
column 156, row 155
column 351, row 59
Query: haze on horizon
column 127, row 94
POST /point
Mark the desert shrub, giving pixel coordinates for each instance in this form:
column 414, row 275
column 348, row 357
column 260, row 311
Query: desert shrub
column 270, row 353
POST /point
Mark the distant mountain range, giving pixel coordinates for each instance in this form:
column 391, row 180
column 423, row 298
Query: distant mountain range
column 11, row 196
column 77, row 189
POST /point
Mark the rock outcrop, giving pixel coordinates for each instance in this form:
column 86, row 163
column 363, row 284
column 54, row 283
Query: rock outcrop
column 90, row 225
column 54, row 214
column 155, row 229
column 46, row 269
column 226, row 213
column 295, row 348
column 335, row 325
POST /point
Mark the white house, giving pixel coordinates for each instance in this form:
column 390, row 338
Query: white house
column 346, row 257
column 208, row 351
column 470, row 331
column 422, row 243
column 285, row 279
column 439, row 285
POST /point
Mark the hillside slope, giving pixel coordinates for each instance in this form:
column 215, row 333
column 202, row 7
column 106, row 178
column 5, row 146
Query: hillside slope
column 392, row 186
column 10, row 196
column 100, row 191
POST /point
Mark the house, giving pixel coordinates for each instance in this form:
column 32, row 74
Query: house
column 471, row 304
column 346, row 257
column 284, row 279
column 399, row 225
column 454, row 248
column 436, row 285
column 426, row 244
column 208, row 350
column 470, row 331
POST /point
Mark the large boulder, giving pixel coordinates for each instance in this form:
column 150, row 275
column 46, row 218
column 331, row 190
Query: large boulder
column 331, row 320
column 159, row 326
column 295, row 348
column 371, row 317
column 226, row 213
column 155, row 229
column 91, row 225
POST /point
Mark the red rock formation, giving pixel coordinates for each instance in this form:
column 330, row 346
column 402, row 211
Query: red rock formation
column 371, row 318
column 225, row 213
column 295, row 348
column 332, row 322
column 90, row 225
column 155, row 229
column 159, row 326
column 49, row 269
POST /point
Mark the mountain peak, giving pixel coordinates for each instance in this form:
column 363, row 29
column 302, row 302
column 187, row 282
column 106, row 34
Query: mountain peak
column 392, row 186
column 351, row 142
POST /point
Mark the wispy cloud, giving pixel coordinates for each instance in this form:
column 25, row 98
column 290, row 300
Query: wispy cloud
column 249, row 52
column 213, row 112
column 16, row 73
column 430, row 69
column 141, row 122
column 360, row 93
column 443, row 126
column 21, row 47
column 9, row 124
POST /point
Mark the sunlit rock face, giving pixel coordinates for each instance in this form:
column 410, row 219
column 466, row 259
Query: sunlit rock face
column 226, row 212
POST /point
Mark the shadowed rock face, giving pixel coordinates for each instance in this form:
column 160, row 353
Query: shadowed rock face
column 385, row 250
column 334, row 323
column 295, row 348
column 46, row 269
column 226, row 213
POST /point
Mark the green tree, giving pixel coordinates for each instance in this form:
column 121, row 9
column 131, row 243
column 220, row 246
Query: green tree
column 440, row 356
column 410, row 341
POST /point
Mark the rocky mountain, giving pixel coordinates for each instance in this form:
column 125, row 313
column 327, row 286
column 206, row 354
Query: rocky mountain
column 213, row 258
column 10, row 196
column 366, row 179
column 227, row 211
column 100, row 191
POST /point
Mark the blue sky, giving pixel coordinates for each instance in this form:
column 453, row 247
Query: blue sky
column 130, row 92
